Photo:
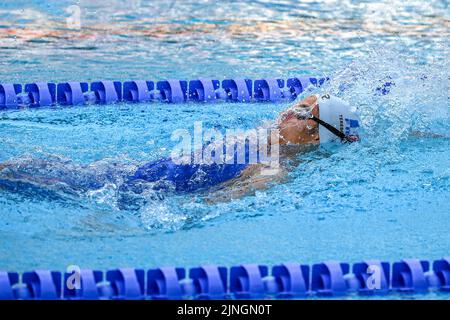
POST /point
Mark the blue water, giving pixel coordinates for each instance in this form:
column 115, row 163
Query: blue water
column 386, row 197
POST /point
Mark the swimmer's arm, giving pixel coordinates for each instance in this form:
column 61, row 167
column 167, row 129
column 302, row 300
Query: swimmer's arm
column 13, row 171
column 254, row 178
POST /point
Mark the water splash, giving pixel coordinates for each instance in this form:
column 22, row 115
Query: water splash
column 164, row 214
column 417, row 102
column 417, row 93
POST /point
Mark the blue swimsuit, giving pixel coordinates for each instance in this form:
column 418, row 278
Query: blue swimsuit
column 186, row 177
column 163, row 174
column 189, row 177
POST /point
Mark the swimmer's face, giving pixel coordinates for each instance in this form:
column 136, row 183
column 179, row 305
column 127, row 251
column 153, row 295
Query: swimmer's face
column 299, row 131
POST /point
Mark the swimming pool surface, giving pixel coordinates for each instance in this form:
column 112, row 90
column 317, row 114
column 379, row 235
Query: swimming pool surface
column 385, row 198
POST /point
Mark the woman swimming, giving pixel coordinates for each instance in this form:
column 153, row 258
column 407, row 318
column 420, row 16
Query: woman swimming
column 316, row 119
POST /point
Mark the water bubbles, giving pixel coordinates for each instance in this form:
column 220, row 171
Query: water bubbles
column 162, row 214
column 104, row 195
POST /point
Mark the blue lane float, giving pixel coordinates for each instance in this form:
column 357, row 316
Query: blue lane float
column 107, row 92
column 90, row 285
column 209, row 282
column 40, row 94
column 269, row 90
column 42, row 285
column 441, row 270
column 9, row 95
column 328, row 278
column 410, row 275
column 138, row 91
column 71, row 93
column 172, row 91
column 7, row 281
column 291, row 280
column 238, row 90
column 206, row 90
column 166, row 283
column 126, row 283
column 248, row 281
column 366, row 284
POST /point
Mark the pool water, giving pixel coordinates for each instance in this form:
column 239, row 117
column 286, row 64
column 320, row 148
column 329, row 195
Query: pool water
column 386, row 197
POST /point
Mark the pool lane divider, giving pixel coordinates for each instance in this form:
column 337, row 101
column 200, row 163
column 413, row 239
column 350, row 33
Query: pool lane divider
column 44, row 94
column 248, row 281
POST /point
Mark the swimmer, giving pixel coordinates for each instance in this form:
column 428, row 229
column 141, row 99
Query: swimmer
column 312, row 121
column 317, row 119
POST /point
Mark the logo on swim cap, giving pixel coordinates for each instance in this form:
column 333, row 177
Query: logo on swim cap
column 340, row 115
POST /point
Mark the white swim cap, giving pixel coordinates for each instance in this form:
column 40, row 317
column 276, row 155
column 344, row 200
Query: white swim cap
column 340, row 115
